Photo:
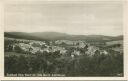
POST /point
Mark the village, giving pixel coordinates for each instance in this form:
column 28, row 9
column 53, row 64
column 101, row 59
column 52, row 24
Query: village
column 61, row 57
column 62, row 46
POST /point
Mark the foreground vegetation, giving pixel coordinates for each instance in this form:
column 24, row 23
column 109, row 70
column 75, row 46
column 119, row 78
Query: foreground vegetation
column 68, row 63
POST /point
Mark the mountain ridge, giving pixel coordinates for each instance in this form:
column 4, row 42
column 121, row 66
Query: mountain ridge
column 60, row 36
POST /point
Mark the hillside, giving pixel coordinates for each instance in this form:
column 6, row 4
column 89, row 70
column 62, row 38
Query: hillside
column 22, row 35
column 61, row 36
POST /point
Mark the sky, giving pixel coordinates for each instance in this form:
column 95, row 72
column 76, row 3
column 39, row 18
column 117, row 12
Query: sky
column 79, row 18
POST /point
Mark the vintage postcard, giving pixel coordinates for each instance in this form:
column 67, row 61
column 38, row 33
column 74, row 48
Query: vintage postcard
column 64, row 38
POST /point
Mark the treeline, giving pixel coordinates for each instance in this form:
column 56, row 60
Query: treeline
column 83, row 65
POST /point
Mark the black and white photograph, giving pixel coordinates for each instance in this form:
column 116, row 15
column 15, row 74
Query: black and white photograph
column 63, row 39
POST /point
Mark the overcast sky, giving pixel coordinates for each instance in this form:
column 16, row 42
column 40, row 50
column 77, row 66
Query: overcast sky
column 85, row 18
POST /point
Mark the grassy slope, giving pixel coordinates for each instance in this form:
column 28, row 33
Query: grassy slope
column 7, row 54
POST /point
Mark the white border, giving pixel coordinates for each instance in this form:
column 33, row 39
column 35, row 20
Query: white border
column 2, row 3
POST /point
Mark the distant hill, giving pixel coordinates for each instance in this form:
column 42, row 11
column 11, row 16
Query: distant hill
column 21, row 35
column 49, row 35
column 61, row 36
